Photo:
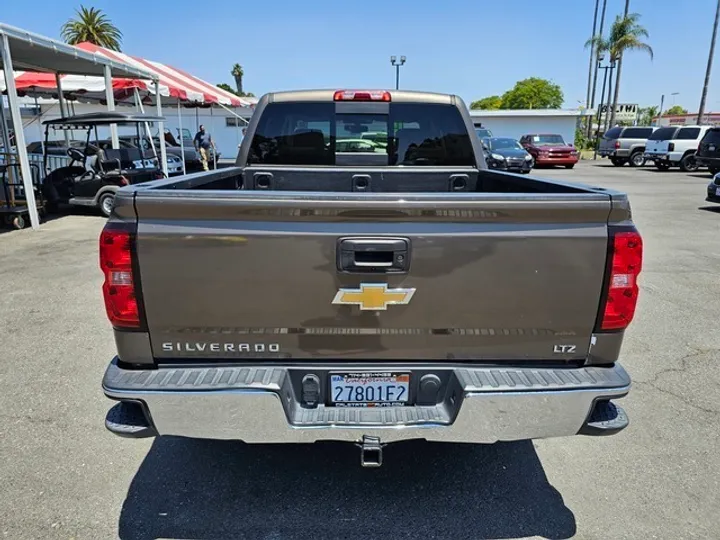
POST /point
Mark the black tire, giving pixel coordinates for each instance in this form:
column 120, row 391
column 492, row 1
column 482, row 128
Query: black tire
column 105, row 203
column 661, row 166
column 569, row 166
column 618, row 162
column 688, row 163
column 637, row 159
column 713, row 170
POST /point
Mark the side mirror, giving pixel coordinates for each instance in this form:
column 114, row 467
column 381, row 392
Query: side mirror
column 75, row 154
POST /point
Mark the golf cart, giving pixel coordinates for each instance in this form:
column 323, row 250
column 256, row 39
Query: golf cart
column 96, row 172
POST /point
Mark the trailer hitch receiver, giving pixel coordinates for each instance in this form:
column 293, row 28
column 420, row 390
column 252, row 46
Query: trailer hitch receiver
column 371, row 451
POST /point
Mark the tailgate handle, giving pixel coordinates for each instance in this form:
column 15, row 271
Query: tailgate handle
column 373, row 255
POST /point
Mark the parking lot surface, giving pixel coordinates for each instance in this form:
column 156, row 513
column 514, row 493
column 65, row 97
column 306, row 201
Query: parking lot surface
column 63, row 476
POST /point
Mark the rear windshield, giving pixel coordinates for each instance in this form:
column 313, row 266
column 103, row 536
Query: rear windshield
column 712, row 136
column 688, row 134
column 637, row 133
column 613, row 133
column 663, row 134
column 314, row 134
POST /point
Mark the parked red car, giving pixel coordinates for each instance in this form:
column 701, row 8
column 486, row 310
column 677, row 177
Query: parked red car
column 549, row 149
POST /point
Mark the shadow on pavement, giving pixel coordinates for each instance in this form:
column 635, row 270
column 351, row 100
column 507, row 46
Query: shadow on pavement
column 218, row 489
column 713, row 209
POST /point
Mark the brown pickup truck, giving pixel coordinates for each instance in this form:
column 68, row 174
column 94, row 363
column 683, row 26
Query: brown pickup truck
column 372, row 296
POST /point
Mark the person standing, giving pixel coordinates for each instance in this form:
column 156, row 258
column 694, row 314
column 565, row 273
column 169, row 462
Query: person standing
column 203, row 142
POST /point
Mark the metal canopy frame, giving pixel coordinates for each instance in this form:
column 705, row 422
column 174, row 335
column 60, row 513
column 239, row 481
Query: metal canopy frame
column 20, row 49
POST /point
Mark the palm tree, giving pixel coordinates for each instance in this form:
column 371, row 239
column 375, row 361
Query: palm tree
column 626, row 34
column 647, row 114
column 237, row 73
column 92, row 25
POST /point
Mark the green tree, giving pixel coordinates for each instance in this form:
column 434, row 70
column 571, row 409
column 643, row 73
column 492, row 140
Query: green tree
column 230, row 89
column 237, row 73
column 675, row 109
column 533, row 93
column 489, row 103
column 94, row 26
column 646, row 115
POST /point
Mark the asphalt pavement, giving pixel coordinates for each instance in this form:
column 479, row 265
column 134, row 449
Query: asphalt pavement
column 62, row 475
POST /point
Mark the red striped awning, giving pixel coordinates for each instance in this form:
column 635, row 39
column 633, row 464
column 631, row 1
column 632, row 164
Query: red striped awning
column 174, row 83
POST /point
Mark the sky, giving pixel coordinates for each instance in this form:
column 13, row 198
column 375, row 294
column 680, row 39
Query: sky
column 473, row 48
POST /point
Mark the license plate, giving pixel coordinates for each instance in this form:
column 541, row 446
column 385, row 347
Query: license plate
column 376, row 389
column 711, row 148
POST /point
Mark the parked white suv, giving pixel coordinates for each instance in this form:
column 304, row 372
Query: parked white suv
column 675, row 146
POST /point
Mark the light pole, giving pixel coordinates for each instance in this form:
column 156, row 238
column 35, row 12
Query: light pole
column 394, row 62
column 610, row 66
column 673, row 96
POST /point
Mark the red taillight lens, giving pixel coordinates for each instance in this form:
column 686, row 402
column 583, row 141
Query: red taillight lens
column 617, row 144
column 622, row 287
column 119, row 287
column 362, row 95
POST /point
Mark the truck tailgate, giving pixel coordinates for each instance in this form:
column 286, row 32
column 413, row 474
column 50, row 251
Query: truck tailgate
column 491, row 277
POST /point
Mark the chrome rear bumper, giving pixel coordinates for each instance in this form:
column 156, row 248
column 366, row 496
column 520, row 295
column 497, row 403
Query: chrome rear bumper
column 259, row 404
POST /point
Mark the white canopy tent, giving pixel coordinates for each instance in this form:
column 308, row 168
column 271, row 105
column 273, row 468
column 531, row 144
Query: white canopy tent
column 23, row 50
column 173, row 86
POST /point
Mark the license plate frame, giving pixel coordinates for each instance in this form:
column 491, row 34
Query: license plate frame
column 387, row 383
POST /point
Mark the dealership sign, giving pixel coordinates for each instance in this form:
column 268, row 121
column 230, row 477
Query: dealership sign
column 625, row 112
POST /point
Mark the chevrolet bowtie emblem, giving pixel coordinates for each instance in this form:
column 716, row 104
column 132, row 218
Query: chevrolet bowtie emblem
column 373, row 296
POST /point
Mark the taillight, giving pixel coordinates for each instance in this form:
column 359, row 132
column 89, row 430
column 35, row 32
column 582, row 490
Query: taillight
column 119, row 287
column 362, row 95
column 124, row 181
column 617, row 144
column 671, row 147
column 621, row 287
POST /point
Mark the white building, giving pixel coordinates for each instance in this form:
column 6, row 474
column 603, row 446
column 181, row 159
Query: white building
column 518, row 122
column 687, row 119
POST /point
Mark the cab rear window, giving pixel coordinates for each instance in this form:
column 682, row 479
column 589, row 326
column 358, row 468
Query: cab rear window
column 414, row 134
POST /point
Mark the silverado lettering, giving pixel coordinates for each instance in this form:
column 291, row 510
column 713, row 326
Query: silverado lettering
column 220, row 347
column 340, row 207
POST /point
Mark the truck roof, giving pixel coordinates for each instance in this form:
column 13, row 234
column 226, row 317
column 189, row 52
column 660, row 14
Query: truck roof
column 398, row 96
